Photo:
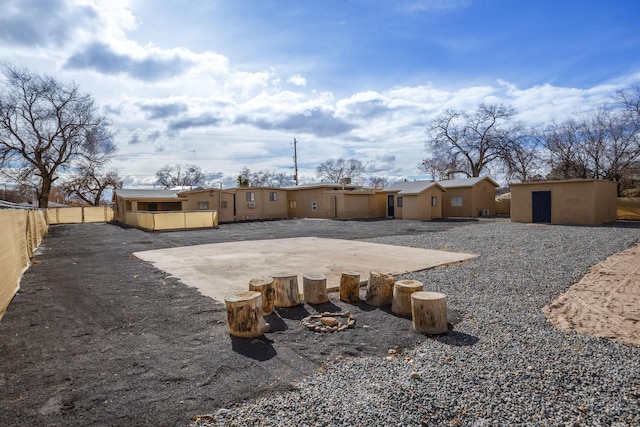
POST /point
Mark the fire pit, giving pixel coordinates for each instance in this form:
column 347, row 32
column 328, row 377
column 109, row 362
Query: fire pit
column 329, row 322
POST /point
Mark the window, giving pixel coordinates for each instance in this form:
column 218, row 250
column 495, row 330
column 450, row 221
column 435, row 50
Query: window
column 399, row 202
column 292, row 204
column 314, row 206
column 273, row 196
column 203, row 205
column 456, row 201
column 251, row 196
column 223, row 204
column 434, row 201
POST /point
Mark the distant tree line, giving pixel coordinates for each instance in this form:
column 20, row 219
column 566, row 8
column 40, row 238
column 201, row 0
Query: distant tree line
column 603, row 144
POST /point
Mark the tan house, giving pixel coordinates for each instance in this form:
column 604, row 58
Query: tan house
column 211, row 199
column 252, row 203
column 418, row 200
column 580, row 201
column 335, row 201
column 145, row 200
column 470, row 197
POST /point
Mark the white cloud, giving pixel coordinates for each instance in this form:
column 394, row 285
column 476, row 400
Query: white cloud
column 297, row 80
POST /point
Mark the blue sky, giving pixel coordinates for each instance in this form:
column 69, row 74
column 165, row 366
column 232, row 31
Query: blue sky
column 229, row 84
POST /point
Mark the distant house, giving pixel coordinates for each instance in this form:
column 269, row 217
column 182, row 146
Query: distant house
column 211, row 199
column 418, row 200
column 579, row 201
column 344, row 201
column 252, row 203
column 145, row 200
column 471, row 197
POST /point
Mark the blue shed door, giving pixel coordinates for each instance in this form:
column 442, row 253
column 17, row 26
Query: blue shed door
column 541, row 206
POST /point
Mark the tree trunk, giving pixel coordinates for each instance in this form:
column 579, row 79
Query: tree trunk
column 350, row 287
column 379, row 289
column 45, row 190
column 244, row 313
column 286, row 289
column 314, row 288
column 402, row 291
column 429, row 311
column 264, row 285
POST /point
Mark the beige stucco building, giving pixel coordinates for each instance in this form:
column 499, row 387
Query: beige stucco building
column 335, row 201
column 471, row 197
column 211, row 199
column 583, row 201
column 418, row 200
column 252, row 203
column 145, row 200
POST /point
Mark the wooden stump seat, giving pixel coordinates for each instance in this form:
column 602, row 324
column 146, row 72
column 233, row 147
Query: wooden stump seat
column 287, row 293
column 402, row 291
column 379, row 289
column 429, row 311
column 264, row 285
column 350, row 286
column 244, row 313
column 314, row 288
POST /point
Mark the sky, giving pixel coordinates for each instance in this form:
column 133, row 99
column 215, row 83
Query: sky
column 228, row 84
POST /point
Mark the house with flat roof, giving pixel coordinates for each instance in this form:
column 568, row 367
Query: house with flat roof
column 328, row 200
column 577, row 201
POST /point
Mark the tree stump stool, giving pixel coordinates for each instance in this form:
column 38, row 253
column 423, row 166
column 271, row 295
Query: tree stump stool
column 402, row 291
column 429, row 311
column 379, row 289
column 264, row 285
column 287, row 293
column 350, row 287
column 244, row 313
column 314, row 288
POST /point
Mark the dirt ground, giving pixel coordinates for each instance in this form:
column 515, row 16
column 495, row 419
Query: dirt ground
column 605, row 302
column 98, row 337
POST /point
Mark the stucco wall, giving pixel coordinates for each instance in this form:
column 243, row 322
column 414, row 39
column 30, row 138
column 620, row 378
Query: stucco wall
column 261, row 207
column 572, row 202
column 221, row 201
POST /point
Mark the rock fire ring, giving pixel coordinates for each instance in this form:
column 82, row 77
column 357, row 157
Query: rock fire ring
column 329, row 322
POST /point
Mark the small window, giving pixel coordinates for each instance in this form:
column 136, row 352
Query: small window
column 223, row 204
column 251, row 196
column 273, row 196
column 203, row 205
column 434, row 201
column 292, row 204
column 399, row 202
column 314, row 206
column 456, row 201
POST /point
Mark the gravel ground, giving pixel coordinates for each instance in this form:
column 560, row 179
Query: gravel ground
column 502, row 365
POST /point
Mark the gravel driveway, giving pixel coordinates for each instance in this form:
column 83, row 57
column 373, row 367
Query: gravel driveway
column 97, row 337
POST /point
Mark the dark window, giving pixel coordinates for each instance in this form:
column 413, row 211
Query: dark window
column 273, row 196
column 399, row 202
column 251, row 196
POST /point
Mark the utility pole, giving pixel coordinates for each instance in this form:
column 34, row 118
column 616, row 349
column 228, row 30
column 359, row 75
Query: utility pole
column 295, row 158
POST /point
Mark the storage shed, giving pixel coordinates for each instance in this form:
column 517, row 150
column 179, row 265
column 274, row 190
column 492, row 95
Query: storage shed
column 419, row 200
column 211, row 199
column 580, row 201
column 470, row 197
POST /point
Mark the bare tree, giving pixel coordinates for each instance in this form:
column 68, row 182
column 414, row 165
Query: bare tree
column 521, row 158
column 180, row 175
column 378, row 181
column 468, row 143
column 89, row 184
column 267, row 178
column 438, row 168
column 46, row 127
column 604, row 144
column 335, row 170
